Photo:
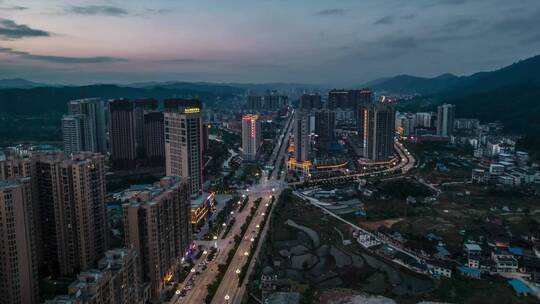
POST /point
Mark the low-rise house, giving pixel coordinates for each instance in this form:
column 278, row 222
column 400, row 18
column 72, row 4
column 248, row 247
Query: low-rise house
column 469, row 272
column 439, row 268
column 472, row 250
column 504, row 261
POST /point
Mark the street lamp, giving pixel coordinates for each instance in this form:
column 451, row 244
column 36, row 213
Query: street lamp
column 223, row 224
column 227, row 298
column 232, row 212
column 257, row 226
column 205, row 252
column 252, row 240
column 246, row 253
column 237, row 271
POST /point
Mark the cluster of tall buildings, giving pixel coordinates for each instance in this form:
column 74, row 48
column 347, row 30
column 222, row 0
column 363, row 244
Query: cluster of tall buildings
column 315, row 124
column 53, row 215
column 54, row 221
column 131, row 132
column 61, row 217
column 271, row 101
column 439, row 125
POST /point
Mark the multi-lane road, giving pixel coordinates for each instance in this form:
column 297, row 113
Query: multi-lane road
column 268, row 185
column 229, row 290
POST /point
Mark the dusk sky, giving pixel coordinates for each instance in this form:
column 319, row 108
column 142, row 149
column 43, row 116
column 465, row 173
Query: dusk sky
column 336, row 42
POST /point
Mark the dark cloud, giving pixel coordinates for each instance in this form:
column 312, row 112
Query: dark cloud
column 11, row 30
column 332, row 12
column 104, row 10
column 398, row 42
column 186, row 60
column 408, row 17
column 534, row 39
column 459, row 24
column 60, row 59
column 13, row 8
column 384, row 20
column 518, row 23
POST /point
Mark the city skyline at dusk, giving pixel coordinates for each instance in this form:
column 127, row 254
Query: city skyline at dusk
column 79, row 42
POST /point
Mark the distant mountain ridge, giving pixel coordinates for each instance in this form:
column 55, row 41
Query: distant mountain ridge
column 19, row 83
column 522, row 72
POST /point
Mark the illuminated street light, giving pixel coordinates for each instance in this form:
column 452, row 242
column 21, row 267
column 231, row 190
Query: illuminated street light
column 205, row 252
column 237, row 271
column 223, row 224
column 215, row 237
column 192, row 270
column 257, row 226
column 267, row 205
column 252, row 240
column 262, row 214
column 246, row 253
column 227, row 298
column 232, row 212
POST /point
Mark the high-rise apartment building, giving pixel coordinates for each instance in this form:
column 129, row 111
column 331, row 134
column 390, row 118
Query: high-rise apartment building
column 270, row 102
column 349, row 99
column 18, row 252
column 158, row 225
column 310, row 102
column 154, row 138
column 93, row 132
column 122, row 134
column 325, row 124
column 141, row 107
column 116, row 280
column 376, row 128
column 445, row 120
column 302, row 142
column 183, row 141
column 74, row 133
column 251, row 136
column 74, row 223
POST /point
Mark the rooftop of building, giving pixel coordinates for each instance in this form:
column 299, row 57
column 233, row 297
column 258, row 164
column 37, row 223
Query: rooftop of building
column 147, row 193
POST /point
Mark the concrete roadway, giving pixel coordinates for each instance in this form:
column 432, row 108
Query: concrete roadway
column 264, row 189
column 229, row 291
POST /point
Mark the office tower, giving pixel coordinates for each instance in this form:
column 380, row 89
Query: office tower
column 376, row 127
column 158, row 225
column 18, row 252
column 154, row 138
column 95, row 131
column 116, row 280
column 140, row 108
column 74, row 221
column 74, row 134
column 251, row 136
column 122, row 133
column 325, row 123
column 302, row 143
column 445, row 120
column 310, row 101
column 183, row 141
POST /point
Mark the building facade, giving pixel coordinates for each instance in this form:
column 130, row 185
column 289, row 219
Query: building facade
column 251, row 136
column 445, row 120
column 302, row 142
column 183, row 141
column 19, row 257
column 376, row 128
column 123, row 135
column 158, row 225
